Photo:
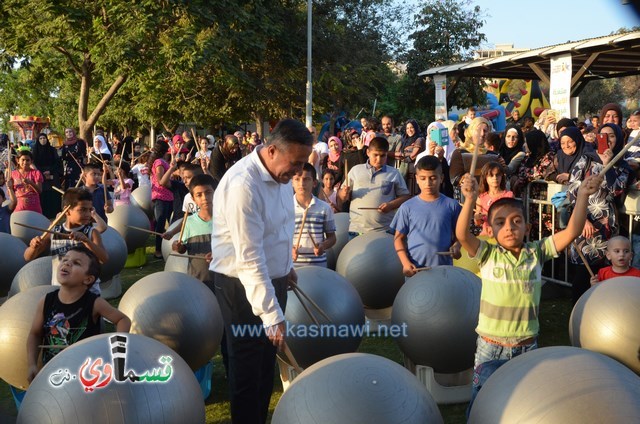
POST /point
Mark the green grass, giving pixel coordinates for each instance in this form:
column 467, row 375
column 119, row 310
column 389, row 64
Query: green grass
column 555, row 312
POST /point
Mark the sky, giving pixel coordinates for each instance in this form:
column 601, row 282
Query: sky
column 539, row 23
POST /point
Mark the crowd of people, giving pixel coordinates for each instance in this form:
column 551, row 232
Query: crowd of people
column 253, row 228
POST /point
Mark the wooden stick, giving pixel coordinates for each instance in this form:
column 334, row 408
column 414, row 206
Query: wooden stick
column 184, row 221
column 444, row 253
column 312, row 240
column 620, row 154
column 474, row 160
column 133, row 153
column 346, row 173
column 291, row 359
column 79, row 181
column 55, row 233
column 59, row 190
column 58, row 218
column 52, row 347
column 144, row 230
column 95, row 156
column 369, row 208
column 306, row 308
column 304, row 219
column 314, row 304
column 76, row 161
column 180, row 255
column 424, row 268
column 106, row 194
column 189, row 154
column 584, row 260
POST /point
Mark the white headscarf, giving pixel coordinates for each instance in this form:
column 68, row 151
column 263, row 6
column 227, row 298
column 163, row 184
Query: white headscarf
column 104, row 149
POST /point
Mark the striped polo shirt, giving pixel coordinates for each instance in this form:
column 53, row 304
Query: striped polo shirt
column 319, row 221
column 510, row 296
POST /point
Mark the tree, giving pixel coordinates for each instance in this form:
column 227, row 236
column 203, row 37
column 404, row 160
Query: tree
column 105, row 43
column 448, row 31
column 598, row 93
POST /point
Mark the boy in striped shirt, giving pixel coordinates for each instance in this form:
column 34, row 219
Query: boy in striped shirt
column 315, row 228
column 511, row 273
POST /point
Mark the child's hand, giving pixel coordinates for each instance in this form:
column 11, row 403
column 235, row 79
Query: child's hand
column 409, row 270
column 479, row 217
column 469, row 187
column 588, row 230
column 344, row 193
column 32, row 372
column 78, row 236
column 590, row 185
column 455, row 251
column 594, row 280
column 108, row 208
column 208, row 257
column 35, row 242
column 384, row 208
column 176, row 246
column 318, row 250
column 294, row 254
column 166, row 236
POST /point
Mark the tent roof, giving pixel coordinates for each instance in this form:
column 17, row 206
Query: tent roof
column 610, row 56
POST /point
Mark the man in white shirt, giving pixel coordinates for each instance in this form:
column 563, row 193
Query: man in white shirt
column 251, row 244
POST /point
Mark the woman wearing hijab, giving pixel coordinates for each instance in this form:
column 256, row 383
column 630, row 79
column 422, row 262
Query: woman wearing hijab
column 611, row 113
column 334, row 159
column 100, row 149
column 74, row 152
column 413, row 144
column 475, row 133
column 512, row 150
column 539, row 164
column 46, row 160
column 575, row 163
column 438, row 144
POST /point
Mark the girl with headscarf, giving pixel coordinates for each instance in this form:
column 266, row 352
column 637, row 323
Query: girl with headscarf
column 100, row 149
column 576, row 161
column 413, row 144
column 475, row 133
column 74, row 152
column 539, row 164
column 334, row 159
column 46, row 160
column 512, row 150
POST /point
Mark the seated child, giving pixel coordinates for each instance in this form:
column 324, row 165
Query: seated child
column 5, row 211
column 619, row 253
column 72, row 312
column 78, row 230
column 319, row 232
column 375, row 190
column 426, row 223
column 511, row 274
column 196, row 236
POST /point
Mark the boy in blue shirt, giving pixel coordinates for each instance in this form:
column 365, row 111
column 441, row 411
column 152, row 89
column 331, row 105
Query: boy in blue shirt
column 425, row 224
column 92, row 175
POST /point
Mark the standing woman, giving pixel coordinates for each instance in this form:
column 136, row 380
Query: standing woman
column 575, row 163
column 334, row 160
column 512, row 151
column 46, row 160
column 161, row 194
column 74, row 152
column 27, row 183
column 100, row 149
column 475, row 134
column 413, row 143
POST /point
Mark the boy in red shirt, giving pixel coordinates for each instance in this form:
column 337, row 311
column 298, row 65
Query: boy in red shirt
column 620, row 255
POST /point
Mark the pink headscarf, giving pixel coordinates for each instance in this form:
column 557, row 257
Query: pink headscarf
column 334, row 156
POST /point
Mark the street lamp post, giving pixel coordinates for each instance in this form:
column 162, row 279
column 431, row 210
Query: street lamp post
column 309, row 102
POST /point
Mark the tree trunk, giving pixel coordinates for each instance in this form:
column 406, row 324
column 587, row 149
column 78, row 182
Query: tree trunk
column 257, row 117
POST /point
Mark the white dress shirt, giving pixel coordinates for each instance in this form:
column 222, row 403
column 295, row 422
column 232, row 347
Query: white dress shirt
column 252, row 238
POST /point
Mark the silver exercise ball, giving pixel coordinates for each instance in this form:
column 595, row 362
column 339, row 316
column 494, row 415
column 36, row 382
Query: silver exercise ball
column 116, row 248
column 559, row 385
column 356, row 388
column 141, row 197
column 166, row 244
column 35, row 273
column 605, row 319
column 34, row 219
column 177, row 310
column 11, row 260
column 342, row 238
column 147, row 401
column 124, row 216
column 339, row 300
column 16, row 316
column 370, row 263
column 177, row 264
column 439, row 309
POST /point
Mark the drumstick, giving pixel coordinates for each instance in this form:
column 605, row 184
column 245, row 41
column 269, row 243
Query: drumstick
column 144, row 230
column 312, row 240
column 58, row 190
column 474, row 160
column 180, row 255
column 58, row 218
column 346, row 173
column 584, row 260
column 75, row 160
column 291, row 359
column 55, row 233
column 444, row 253
column 304, row 218
column 620, row 154
column 184, row 221
column 305, row 307
column 369, row 208
column 424, row 268
column 133, row 153
column 295, row 286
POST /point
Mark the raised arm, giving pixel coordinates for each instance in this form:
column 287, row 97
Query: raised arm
column 463, row 231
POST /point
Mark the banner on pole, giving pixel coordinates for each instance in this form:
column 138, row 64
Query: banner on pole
column 441, row 96
column 560, row 87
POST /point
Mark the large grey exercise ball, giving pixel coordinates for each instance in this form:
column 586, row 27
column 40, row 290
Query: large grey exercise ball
column 146, row 401
column 141, row 197
column 31, row 218
column 165, row 247
column 124, row 216
column 16, row 316
column 559, row 385
column 11, row 260
column 605, row 319
column 35, row 273
column 177, row 310
column 339, row 301
column 370, row 263
column 342, row 238
column 177, row 264
column 439, row 309
column 356, row 388
column 116, row 249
